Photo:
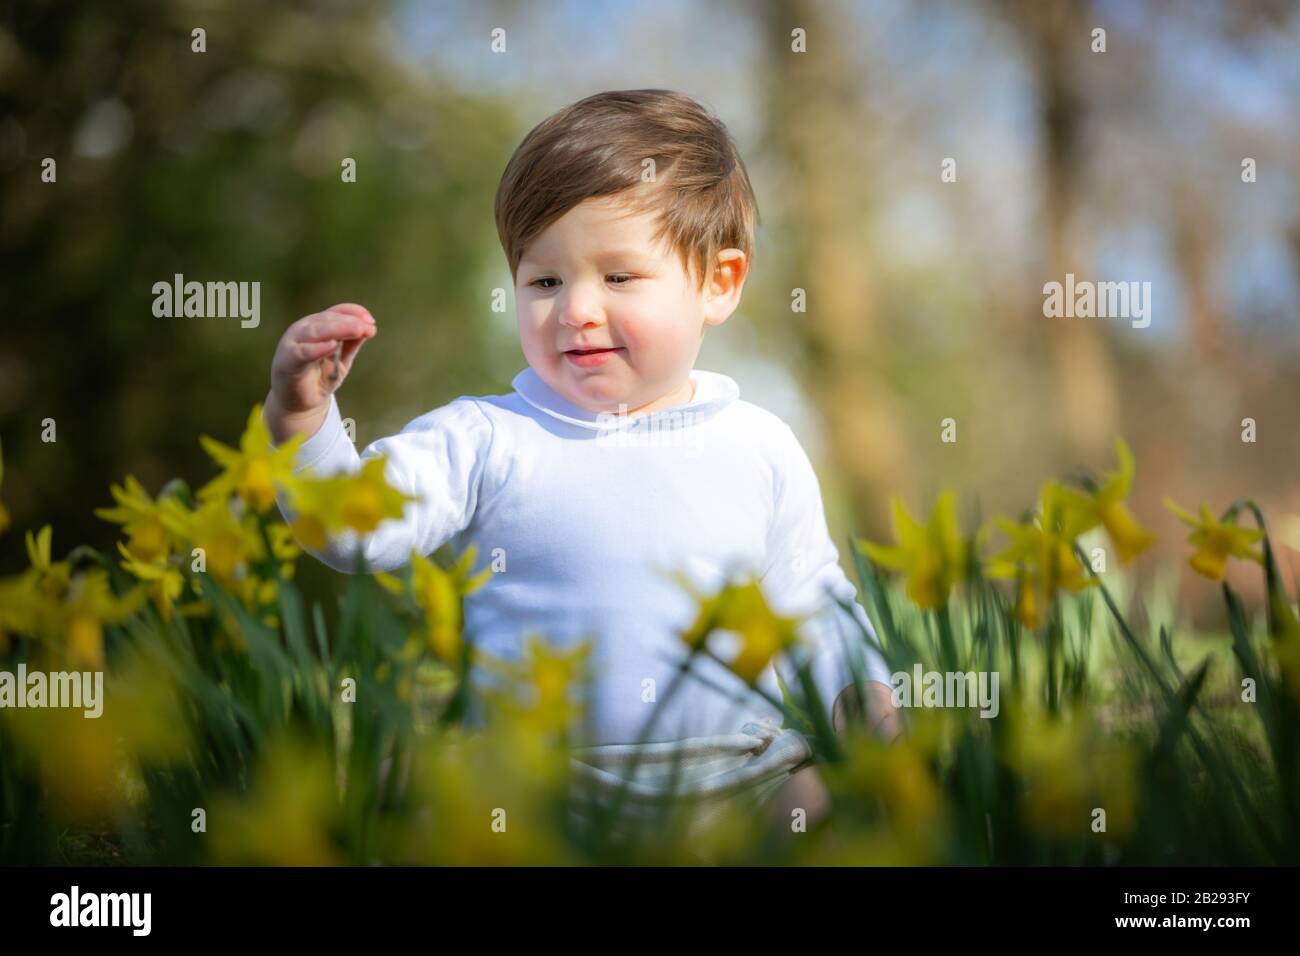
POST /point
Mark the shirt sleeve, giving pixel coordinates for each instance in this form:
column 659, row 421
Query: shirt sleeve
column 803, row 578
column 439, row 459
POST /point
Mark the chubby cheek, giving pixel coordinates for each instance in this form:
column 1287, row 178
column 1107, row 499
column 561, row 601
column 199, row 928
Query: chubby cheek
column 654, row 344
column 536, row 336
column 648, row 338
column 630, row 331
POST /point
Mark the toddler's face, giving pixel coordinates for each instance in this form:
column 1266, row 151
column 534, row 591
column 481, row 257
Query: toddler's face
column 593, row 280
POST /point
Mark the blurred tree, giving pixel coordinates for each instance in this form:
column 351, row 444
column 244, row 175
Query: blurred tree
column 225, row 165
column 1055, row 37
column 813, row 129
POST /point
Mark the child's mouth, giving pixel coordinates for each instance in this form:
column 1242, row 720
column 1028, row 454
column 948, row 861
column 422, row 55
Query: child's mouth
column 589, row 358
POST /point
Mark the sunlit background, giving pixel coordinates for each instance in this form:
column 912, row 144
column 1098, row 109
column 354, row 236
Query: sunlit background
column 924, row 297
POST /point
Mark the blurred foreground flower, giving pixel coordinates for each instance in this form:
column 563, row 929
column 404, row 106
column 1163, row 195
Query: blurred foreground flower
column 283, row 547
column 287, row 817
column 542, row 689
column 898, row 780
column 478, row 803
column 1069, row 769
column 742, row 610
column 360, row 502
column 91, row 768
column 439, row 594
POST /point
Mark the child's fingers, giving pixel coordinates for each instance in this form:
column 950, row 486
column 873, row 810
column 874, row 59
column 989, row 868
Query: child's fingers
column 352, row 346
column 352, row 309
column 354, row 317
column 333, row 326
column 304, row 353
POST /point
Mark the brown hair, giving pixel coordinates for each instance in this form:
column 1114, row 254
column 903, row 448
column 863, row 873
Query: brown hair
column 596, row 147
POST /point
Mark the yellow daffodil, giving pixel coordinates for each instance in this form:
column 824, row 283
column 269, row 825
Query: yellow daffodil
column 21, row 604
column 284, row 548
column 361, row 501
column 257, row 592
column 90, row 604
column 1068, row 512
column 1065, row 513
column 435, row 592
column 1043, row 554
column 166, row 583
column 1028, row 608
column 1106, row 507
column 552, row 670
column 253, row 470
column 933, row 555
column 553, row 674
column 316, row 510
column 461, row 570
column 227, row 542
column 1216, row 541
column 140, row 518
column 741, row 609
column 53, row 575
column 1040, row 555
column 1042, row 562
column 311, row 531
column 1129, row 537
column 438, row 593
column 548, row 677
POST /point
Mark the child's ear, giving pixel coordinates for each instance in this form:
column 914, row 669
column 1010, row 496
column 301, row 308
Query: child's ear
column 726, row 280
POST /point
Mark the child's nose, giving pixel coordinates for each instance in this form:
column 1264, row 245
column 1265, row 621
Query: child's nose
column 581, row 311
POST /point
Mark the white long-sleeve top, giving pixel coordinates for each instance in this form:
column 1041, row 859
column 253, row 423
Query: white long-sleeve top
column 583, row 514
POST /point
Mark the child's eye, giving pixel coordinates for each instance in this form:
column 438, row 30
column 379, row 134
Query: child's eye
column 615, row 278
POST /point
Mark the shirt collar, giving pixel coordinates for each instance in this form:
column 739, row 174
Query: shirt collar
column 713, row 392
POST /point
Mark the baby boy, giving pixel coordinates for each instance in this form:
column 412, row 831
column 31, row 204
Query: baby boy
column 628, row 223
